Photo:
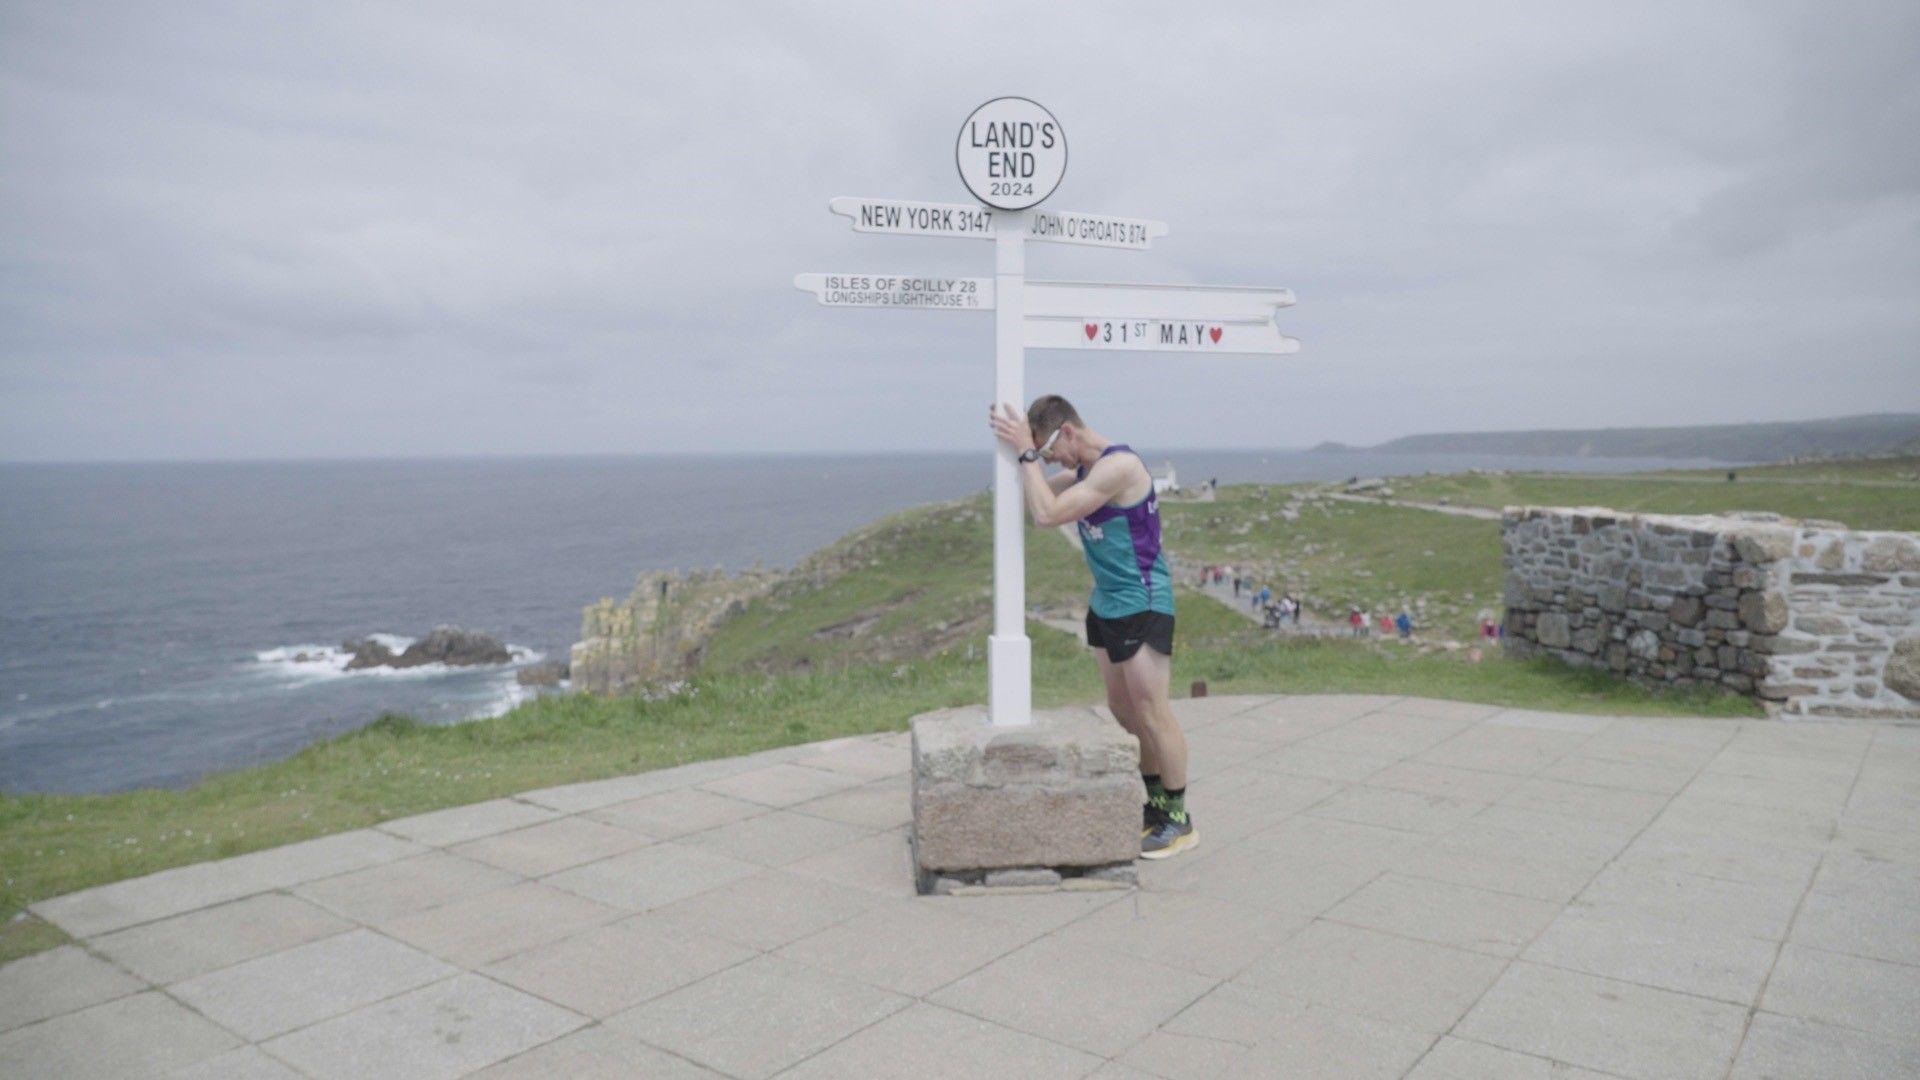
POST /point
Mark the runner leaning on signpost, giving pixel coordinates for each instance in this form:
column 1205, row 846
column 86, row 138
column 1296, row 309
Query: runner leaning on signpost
column 1105, row 488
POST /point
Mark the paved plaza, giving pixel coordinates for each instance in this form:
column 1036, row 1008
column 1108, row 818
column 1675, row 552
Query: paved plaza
column 1385, row 887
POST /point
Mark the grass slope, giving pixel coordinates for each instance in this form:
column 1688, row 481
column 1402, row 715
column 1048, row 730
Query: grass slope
column 1339, row 555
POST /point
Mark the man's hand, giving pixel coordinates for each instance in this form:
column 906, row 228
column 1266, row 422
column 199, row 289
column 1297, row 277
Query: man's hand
column 1010, row 426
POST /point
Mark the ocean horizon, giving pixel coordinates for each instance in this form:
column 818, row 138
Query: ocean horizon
column 160, row 621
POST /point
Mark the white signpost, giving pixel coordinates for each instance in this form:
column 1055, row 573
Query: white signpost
column 904, row 218
column 1012, row 154
column 899, row 291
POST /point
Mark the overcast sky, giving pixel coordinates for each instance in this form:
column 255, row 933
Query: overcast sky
column 340, row 229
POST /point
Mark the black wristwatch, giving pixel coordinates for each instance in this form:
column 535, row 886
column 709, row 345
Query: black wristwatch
column 1030, row 456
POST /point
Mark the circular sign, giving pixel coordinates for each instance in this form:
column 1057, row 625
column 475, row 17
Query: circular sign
column 1012, row 153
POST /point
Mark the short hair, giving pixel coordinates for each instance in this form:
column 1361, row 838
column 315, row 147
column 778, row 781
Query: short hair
column 1048, row 412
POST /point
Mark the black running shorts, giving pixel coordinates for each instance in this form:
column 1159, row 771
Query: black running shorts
column 1122, row 637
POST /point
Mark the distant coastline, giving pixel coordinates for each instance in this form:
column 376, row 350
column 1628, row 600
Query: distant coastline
column 1845, row 436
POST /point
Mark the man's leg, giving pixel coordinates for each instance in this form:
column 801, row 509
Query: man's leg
column 1127, row 712
column 1129, row 715
column 1147, row 674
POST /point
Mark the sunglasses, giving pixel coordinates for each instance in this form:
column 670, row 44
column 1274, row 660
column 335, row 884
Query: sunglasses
column 1045, row 447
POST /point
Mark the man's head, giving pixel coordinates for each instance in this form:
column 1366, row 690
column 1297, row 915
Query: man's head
column 1053, row 417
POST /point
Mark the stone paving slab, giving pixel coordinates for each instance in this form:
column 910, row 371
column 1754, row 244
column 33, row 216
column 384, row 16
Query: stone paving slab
column 404, row 887
column 596, row 1053
column 444, row 828
column 241, row 1063
column 57, row 981
column 1477, row 920
column 497, row 924
column 1605, row 1024
column 931, row 1042
column 183, row 946
column 671, row 814
column 1415, row 984
column 652, row 876
column 552, row 846
column 777, row 838
column 781, row 785
column 1782, row 1046
column 188, row 888
column 1244, row 1031
column 908, row 947
column 758, row 1018
column 139, row 1035
column 1643, row 948
column 601, row 971
column 447, row 1029
column 274, row 994
column 877, row 806
column 1087, row 998
column 769, row 909
column 1385, row 887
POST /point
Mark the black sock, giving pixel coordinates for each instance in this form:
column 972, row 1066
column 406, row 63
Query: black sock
column 1176, row 805
column 1154, row 788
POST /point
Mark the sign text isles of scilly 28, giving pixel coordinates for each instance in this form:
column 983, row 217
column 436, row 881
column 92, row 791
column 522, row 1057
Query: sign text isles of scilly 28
column 1011, row 154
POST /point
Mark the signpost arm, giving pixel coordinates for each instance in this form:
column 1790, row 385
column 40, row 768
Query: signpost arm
column 1009, row 653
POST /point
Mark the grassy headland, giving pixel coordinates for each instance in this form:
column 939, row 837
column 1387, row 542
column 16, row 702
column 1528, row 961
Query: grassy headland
column 1337, row 555
column 1877, row 493
column 881, row 626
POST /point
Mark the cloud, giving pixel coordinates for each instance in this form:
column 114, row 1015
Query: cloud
column 243, row 230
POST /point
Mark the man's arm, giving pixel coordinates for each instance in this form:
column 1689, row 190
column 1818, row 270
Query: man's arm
column 1050, row 508
column 1050, row 505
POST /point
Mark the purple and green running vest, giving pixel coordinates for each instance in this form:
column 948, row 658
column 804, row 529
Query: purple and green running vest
column 1122, row 544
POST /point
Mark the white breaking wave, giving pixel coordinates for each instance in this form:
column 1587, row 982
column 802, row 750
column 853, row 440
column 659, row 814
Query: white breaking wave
column 510, row 695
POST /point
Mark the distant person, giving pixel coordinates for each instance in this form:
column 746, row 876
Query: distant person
column 1358, row 622
column 1293, row 608
column 1107, row 490
column 1386, row 625
column 1404, row 623
column 1730, row 476
column 1266, row 594
column 1236, row 586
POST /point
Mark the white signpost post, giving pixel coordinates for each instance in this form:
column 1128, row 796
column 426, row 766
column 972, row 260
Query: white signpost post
column 1012, row 154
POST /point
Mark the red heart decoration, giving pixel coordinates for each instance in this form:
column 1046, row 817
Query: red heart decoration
column 1215, row 335
column 1092, row 329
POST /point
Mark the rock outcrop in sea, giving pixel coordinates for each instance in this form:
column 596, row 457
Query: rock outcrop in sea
column 449, row 645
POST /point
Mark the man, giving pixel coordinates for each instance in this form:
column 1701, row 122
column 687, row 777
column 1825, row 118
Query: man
column 1105, row 487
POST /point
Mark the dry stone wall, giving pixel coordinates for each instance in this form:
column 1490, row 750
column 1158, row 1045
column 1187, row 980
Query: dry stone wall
column 1811, row 616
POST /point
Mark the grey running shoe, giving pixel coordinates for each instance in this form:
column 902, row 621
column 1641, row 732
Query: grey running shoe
column 1169, row 838
column 1150, row 816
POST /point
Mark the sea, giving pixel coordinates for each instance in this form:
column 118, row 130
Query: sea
column 160, row 622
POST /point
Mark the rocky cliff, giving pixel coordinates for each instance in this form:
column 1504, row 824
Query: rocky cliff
column 657, row 631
